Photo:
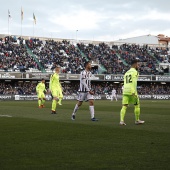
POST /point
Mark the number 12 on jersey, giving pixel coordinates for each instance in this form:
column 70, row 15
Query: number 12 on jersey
column 129, row 79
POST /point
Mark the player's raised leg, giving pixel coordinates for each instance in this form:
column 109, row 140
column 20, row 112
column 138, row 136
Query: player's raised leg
column 60, row 97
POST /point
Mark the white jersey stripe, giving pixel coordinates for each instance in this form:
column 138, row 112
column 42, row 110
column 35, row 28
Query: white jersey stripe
column 85, row 81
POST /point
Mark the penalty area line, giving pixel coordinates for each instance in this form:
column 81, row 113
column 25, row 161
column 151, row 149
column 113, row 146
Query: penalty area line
column 5, row 116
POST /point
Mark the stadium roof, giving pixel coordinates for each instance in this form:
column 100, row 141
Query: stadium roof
column 145, row 39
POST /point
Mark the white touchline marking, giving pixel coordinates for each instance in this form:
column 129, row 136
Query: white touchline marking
column 5, row 116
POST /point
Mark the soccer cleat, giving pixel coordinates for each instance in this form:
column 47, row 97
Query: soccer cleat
column 122, row 123
column 42, row 106
column 94, row 119
column 139, row 122
column 73, row 117
column 53, row 112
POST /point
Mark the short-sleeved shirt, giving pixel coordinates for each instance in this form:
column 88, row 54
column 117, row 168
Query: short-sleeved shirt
column 85, row 81
column 130, row 82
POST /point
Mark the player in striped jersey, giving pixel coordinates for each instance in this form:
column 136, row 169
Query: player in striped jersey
column 85, row 91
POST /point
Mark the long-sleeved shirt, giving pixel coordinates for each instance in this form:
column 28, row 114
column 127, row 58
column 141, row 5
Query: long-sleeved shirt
column 54, row 81
column 40, row 87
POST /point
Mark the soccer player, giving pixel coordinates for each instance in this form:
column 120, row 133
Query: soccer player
column 113, row 95
column 85, row 91
column 130, row 95
column 54, row 87
column 40, row 88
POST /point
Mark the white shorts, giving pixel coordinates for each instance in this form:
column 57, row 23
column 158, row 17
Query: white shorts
column 85, row 96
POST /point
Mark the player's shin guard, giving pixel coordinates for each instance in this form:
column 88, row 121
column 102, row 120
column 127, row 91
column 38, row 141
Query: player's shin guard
column 91, row 108
column 122, row 113
column 43, row 101
column 137, row 112
column 54, row 105
column 60, row 99
column 75, row 109
column 39, row 102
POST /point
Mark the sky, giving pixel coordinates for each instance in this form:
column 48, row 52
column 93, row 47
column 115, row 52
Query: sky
column 97, row 20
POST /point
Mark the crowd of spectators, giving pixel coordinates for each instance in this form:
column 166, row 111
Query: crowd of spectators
column 21, row 88
column 29, row 88
column 116, row 59
column 49, row 53
column 147, row 61
column 154, row 89
column 105, row 56
column 14, row 56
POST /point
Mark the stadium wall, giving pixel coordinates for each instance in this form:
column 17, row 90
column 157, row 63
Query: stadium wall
column 97, row 77
column 13, row 76
column 74, row 97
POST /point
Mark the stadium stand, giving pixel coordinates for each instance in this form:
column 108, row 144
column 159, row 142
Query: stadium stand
column 105, row 56
column 14, row 56
column 23, row 88
column 34, row 55
column 116, row 58
column 51, row 53
column 43, row 55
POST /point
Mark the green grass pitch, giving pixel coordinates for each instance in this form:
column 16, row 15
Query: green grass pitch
column 34, row 139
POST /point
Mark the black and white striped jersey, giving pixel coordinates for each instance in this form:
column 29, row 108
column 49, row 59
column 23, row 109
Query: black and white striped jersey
column 85, row 81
